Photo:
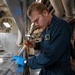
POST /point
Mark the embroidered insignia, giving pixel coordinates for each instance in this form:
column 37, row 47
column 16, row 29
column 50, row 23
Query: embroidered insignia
column 47, row 37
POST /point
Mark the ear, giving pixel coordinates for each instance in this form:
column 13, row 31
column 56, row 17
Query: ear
column 45, row 13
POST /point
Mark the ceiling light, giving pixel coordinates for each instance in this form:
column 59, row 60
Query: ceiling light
column 1, row 60
column 6, row 24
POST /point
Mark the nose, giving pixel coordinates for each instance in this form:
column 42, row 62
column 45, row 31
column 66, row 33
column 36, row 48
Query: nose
column 36, row 24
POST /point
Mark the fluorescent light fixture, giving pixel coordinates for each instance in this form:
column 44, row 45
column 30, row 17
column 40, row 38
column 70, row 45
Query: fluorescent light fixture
column 6, row 24
column 1, row 60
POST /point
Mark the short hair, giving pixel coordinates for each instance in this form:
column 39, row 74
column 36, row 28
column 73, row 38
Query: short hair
column 36, row 7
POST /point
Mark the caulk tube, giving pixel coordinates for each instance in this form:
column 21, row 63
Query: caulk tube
column 22, row 50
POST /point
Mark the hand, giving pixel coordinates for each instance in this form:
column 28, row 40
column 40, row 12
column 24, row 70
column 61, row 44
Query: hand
column 19, row 61
column 14, row 58
column 31, row 43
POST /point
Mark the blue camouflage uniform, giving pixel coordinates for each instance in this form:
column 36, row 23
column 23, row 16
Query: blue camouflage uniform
column 54, row 57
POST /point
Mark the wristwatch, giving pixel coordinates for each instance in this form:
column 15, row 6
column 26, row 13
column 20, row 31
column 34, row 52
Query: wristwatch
column 25, row 61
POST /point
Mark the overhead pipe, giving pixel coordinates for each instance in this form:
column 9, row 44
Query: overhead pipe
column 58, row 7
column 16, row 11
column 67, row 4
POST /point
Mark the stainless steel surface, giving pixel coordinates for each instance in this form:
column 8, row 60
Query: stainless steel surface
column 21, row 50
column 8, row 42
column 4, row 63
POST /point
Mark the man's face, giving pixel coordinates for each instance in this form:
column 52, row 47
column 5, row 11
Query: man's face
column 40, row 20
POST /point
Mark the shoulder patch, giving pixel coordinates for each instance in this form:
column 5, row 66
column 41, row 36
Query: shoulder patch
column 47, row 37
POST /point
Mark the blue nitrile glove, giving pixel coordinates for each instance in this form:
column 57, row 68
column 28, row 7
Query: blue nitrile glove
column 19, row 69
column 19, row 61
column 14, row 58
